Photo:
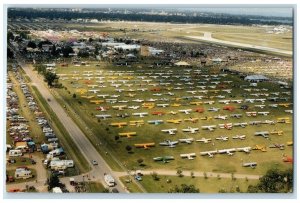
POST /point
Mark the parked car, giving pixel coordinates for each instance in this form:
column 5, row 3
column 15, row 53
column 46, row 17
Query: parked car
column 94, row 162
column 138, row 178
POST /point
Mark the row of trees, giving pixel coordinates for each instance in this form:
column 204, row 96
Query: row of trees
column 50, row 78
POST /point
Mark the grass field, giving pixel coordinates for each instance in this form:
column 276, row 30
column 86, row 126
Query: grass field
column 94, row 187
column 152, row 133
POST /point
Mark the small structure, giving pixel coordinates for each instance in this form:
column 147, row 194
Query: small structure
column 256, row 78
column 23, row 173
column 182, row 64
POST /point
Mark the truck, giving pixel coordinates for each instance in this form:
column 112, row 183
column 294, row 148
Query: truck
column 109, row 180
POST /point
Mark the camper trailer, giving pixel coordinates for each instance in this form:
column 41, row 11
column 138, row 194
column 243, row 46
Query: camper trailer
column 23, row 173
column 15, row 152
column 109, row 180
column 61, row 164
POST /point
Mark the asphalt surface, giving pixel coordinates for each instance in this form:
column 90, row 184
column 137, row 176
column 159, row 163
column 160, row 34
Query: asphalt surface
column 79, row 138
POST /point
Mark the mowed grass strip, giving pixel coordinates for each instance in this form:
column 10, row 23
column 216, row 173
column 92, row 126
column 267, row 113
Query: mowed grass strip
column 64, row 137
column 130, row 184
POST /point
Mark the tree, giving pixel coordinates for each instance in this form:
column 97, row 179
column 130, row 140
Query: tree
column 83, row 53
column 31, row 44
column 155, row 176
column 179, row 173
column 74, row 95
column 184, row 188
column 117, row 137
column 50, row 78
column 67, row 50
column 128, row 148
column 105, row 190
column 10, row 54
column 10, row 36
column 53, row 181
column 192, row 174
column 54, row 52
column 140, row 161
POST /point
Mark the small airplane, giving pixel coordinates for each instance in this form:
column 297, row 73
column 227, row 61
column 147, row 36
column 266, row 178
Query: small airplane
column 162, row 105
column 204, row 140
column 239, row 101
column 145, row 145
column 197, row 103
column 175, row 121
column 141, row 114
column 279, row 146
column 227, row 91
column 236, row 115
column 261, row 100
column 102, row 95
column 114, row 96
column 192, row 92
column 222, row 138
column 169, row 143
column 209, row 102
column 243, row 125
column 148, row 105
column 186, row 111
column 189, row 156
column 275, row 132
column 136, row 123
column 260, row 147
column 193, row 120
column 164, row 159
column 102, row 108
column 288, row 111
column 255, row 122
column 191, row 130
column 198, row 97
column 244, row 149
column 227, row 126
column 134, row 107
column 96, row 101
column 111, row 101
column 119, row 90
column 137, row 100
column 227, row 151
column 213, row 109
column 250, row 100
column 264, row 134
column 125, row 115
column 120, row 107
column 104, row 116
column 283, row 120
column 171, row 131
column 287, row 159
column 224, row 101
column 127, row 134
column 94, row 91
column 130, row 95
column 263, row 113
column 250, row 164
column 157, row 94
column 119, row 125
column 254, row 113
column 155, row 122
column 186, row 140
column 209, row 153
column 123, row 101
column 172, row 112
column 241, row 137
column 286, row 105
column 209, row 127
column 221, row 117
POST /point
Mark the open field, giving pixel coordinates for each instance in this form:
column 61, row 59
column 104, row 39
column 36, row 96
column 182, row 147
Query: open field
column 94, row 187
column 152, row 133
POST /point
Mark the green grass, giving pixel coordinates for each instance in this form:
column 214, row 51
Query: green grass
column 94, row 187
column 63, row 135
column 209, row 185
column 130, row 184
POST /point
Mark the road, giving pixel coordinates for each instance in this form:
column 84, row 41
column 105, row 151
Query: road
column 208, row 38
column 79, row 138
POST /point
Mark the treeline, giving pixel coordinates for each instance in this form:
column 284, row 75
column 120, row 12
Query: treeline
column 68, row 15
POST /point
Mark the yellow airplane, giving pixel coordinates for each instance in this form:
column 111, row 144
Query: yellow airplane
column 284, row 104
column 127, row 134
column 176, row 121
column 206, row 118
column 145, row 145
column 130, row 95
column 120, row 107
column 260, row 147
column 137, row 122
column 128, row 77
column 169, row 88
column 197, row 103
column 113, row 77
column 87, row 97
column 283, row 120
column 290, row 143
column 119, row 125
column 177, row 99
column 96, row 101
column 81, row 91
column 279, row 132
column 148, row 105
column 175, row 105
column 193, row 120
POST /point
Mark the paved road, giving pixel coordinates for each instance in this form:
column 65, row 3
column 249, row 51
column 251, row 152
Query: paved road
column 76, row 134
column 207, row 37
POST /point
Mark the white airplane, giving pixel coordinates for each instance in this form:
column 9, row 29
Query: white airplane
column 170, row 93
column 209, row 102
column 186, row 140
column 128, row 85
column 263, row 113
column 170, row 131
column 202, row 87
column 116, row 85
column 94, row 91
column 157, row 94
column 120, row 107
column 222, row 138
column 169, row 143
column 138, row 100
column 156, row 122
column 142, row 89
column 192, row 92
column 189, row 156
column 213, row 109
column 104, row 116
column 240, row 124
column 250, row 164
column 114, row 96
column 134, row 107
column 203, row 91
column 186, row 111
column 261, row 100
column 163, row 105
column 123, row 101
column 241, row 137
column 253, row 113
column 209, row 153
column 220, row 96
column 268, row 122
column 244, row 149
column 227, row 90
column 178, row 88
column 204, row 140
column 227, row 126
column 250, row 100
column 209, row 127
column 221, row 117
column 236, row 115
column 198, row 97
column 273, row 105
column 254, row 122
column 227, row 151
column 92, row 86
column 224, row 101
column 119, row 90
column 215, row 82
column 111, row 101
column 265, row 134
column 101, row 108
column 142, row 114
column 191, row 130
column 239, row 101
column 288, row 111
column 260, row 106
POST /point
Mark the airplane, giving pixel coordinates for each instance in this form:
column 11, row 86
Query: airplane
column 164, row 159
column 112, row 101
column 142, row 89
column 260, row 106
column 145, row 145
column 176, row 121
column 159, row 113
column 101, row 108
column 127, row 134
column 286, row 105
column 120, row 107
column 170, row 93
column 222, row 138
column 263, row 113
column 236, row 115
column 274, row 132
column 227, row 91
column 130, row 95
column 125, row 115
column 261, row 100
column 170, row 131
column 209, row 127
column 92, row 86
column 260, row 147
column 254, row 113
column 137, row 100
column 136, row 123
column 192, row 92
column 189, row 156
column 123, row 101
column 114, row 96
column 102, row 95
column 243, row 125
column 119, row 125
column 283, row 120
column 273, row 105
column 239, row 101
column 265, row 134
column 142, row 114
column 104, row 116
column 157, row 94
column 175, row 105
column 204, row 140
column 288, row 111
column 186, row 140
column 244, row 149
column 227, row 126
column 221, row 117
column 162, row 105
column 134, row 107
column 227, row 151
column 209, row 153
column 96, row 101
column 279, row 146
column 148, row 105
column 193, row 120
column 224, row 101
column 290, row 143
column 172, row 112
column 119, row 90
column 213, row 109
column 250, row 100
column 255, row 122
column 151, row 100
column 186, row 111
column 155, row 122
column 209, row 102
column 191, row 130
column 197, row 103
column 287, row 159
column 241, row 137
column 169, row 143
column 250, row 164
